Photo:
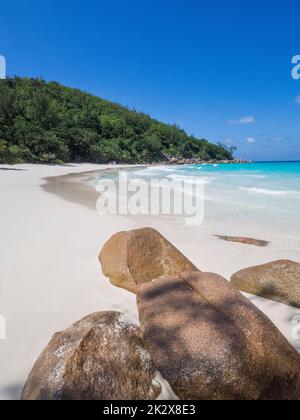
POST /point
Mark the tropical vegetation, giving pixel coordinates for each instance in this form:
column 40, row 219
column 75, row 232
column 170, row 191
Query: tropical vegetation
column 44, row 122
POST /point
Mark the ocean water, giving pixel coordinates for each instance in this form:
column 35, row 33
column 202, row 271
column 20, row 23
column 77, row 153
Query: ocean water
column 261, row 200
column 246, row 199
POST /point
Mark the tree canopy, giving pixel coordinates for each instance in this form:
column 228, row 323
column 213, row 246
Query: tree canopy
column 48, row 123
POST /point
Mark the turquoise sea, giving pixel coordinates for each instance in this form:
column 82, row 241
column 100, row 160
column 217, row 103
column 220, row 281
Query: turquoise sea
column 261, row 199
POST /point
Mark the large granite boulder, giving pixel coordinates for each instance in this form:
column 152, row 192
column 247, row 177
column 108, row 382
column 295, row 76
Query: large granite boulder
column 210, row 342
column 278, row 281
column 98, row 358
column 138, row 256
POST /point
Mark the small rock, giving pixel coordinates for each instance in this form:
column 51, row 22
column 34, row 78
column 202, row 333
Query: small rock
column 210, row 342
column 138, row 256
column 278, row 281
column 243, row 240
column 98, row 358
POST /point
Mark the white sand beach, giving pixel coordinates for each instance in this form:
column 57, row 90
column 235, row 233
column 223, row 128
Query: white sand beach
column 50, row 276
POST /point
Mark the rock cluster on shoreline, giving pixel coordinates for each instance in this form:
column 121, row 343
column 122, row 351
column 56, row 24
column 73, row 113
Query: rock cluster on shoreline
column 205, row 338
column 179, row 160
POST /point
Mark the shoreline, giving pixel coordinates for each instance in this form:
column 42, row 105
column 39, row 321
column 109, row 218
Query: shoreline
column 50, row 272
column 75, row 187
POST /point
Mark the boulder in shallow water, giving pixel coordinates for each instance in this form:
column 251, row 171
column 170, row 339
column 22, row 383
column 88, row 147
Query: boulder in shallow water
column 98, row 358
column 278, row 281
column 210, row 342
column 138, row 256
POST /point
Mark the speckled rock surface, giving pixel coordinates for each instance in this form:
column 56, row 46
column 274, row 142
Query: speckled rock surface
column 278, row 281
column 210, row 342
column 98, row 358
column 138, row 256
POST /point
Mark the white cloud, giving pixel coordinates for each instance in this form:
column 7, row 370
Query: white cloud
column 297, row 99
column 243, row 120
column 250, row 140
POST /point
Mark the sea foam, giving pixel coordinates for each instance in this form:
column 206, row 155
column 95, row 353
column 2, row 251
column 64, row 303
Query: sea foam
column 269, row 192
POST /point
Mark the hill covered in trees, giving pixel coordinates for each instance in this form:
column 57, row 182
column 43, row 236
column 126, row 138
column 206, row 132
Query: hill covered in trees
column 49, row 123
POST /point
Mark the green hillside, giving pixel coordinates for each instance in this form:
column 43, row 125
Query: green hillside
column 49, row 123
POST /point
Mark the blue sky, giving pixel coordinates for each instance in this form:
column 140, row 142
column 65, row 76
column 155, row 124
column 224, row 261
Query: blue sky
column 219, row 69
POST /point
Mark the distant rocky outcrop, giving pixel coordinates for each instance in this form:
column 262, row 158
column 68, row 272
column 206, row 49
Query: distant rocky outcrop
column 278, row 281
column 180, row 160
column 211, row 343
column 244, row 240
column 139, row 256
column 98, row 358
